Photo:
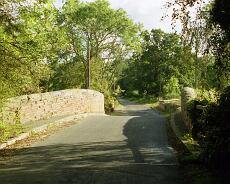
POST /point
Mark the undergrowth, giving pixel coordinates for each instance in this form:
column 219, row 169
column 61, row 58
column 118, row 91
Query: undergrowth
column 8, row 131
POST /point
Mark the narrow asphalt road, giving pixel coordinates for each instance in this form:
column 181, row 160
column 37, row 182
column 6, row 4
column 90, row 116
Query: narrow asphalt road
column 129, row 147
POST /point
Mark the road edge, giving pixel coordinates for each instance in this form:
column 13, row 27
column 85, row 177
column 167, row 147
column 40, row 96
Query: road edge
column 44, row 127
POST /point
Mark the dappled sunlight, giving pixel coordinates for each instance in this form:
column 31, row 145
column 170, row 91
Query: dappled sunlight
column 82, row 161
column 140, row 154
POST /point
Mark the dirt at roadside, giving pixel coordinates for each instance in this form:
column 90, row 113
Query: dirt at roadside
column 10, row 151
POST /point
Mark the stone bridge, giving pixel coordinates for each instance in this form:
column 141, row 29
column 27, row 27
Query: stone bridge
column 42, row 106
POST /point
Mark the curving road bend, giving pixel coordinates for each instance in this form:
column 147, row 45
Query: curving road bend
column 129, row 147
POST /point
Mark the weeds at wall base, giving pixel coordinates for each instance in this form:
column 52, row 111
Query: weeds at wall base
column 8, row 131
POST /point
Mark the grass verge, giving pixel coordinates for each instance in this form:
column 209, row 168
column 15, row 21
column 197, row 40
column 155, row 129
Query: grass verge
column 8, row 131
column 143, row 100
column 189, row 152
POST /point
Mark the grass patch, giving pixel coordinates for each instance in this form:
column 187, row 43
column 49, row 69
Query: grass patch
column 8, row 131
column 143, row 99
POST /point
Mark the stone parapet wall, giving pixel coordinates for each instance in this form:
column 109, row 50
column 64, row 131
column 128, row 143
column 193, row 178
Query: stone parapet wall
column 187, row 94
column 169, row 105
column 34, row 107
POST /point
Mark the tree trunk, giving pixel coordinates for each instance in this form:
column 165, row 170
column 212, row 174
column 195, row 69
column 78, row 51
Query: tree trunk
column 196, row 67
column 88, row 67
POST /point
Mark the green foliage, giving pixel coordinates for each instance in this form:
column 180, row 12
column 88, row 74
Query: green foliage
column 98, row 35
column 204, row 98
column 110, row 103
column 209, row 33
column 172, row 88
column 44, row 49
column 207, row 96
column 8, row 131
column 216, row 141
column 211, row 127
column 62, row 75
column 94, row 37
column 195, row 157
column 164, row 66
column 134, row 93
column 220, row 14
column 22, row 65
column 220, row 40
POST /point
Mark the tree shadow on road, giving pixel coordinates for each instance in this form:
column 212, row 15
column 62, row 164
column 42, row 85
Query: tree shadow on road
column 148, row 141
column 143, row 158
column 146, row 134
column 99, row 162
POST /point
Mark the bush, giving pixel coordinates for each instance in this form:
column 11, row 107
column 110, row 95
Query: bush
column 211, row 128
column 204, row 98
column 133, row 93
column 172, row 88
column 196, row 117
column 110, row 103
column 216, row 141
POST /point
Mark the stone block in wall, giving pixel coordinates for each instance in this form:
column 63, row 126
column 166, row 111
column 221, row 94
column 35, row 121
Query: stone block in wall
column 187, row 94
column 169, row 105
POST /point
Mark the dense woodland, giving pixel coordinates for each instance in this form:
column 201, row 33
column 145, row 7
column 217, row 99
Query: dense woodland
column 91, row 45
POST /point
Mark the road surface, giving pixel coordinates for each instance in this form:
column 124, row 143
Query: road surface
column 129, row 147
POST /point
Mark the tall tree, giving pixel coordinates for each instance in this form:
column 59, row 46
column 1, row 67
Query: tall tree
column 22, row 64
column 101, row 31
column 164, row 62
